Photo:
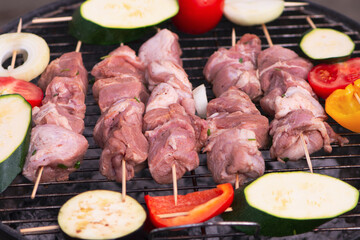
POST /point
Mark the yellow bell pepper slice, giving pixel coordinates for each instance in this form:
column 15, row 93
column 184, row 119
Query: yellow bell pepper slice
column 343, row 106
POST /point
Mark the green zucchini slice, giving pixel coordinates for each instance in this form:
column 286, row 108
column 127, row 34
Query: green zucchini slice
column 15, row 127
column 292, row 202
column 100, row 214
column 326, row 44
column 112, row 21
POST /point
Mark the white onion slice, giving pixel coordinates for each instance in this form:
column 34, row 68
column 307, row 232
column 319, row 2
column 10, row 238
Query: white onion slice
column 252, row 12
column 201, row 101
column 35, row 51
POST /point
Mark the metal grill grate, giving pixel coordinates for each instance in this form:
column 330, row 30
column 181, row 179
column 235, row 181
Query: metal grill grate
column 18, row 211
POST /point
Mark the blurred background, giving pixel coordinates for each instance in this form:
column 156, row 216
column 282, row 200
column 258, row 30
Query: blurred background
column 13, row 9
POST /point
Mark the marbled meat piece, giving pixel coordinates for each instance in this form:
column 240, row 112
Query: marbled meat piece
column 105, row 82
column 162, row 96
column 256, row 123
column 280, row 82
column 298, row 98
column 235, row 67
column 67, row 93
column 234, row 152
column 119, row 132
column 277, row 58
column 287, row 145
column 121, row 90
column 172, row 143
column 125, row 110
column 52, row 113
column 162, row 46
column 68, row 65
column 122, row 60
column 159, row 116
column 233, row 100
column 58, row 150
column 168, row 72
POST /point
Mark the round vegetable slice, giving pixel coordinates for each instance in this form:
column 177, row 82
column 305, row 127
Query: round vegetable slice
column 326, row 43
column 100, row 214
column 112, row 21
column 34, row 49
column 250, row 12
column 15, row 127
column 290, row 203
column 32, row 93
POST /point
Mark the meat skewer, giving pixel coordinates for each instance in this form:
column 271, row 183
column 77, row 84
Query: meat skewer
column 298, row 114
column 175, row 134
column 61, row 94
column 121, row 94
column 13, row 59
column 306, row 151
column 235, row 122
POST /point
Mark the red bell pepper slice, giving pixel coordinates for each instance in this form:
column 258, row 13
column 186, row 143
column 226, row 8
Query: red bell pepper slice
column 32, row 93
column 201, row 206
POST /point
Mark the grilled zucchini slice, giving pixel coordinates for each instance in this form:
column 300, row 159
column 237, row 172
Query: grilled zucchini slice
column 15, row 128
column 327, row 44
column 290, row 203
column 111, row 21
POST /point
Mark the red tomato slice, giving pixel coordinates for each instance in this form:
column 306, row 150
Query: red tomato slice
column 326, row 78
column 32, row 93
column 198, row 16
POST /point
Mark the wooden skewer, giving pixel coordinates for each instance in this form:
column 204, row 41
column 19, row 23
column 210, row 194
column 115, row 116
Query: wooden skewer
column 179, row 214
column 175, row 188
column 233, row 43
column 357, row 97
column 311, row 23
column 268, row 38
column 295, row 4
column 123, row 181
column 78, row 46
column 50, row 20
column 15, row 52
column 37, row 182
column 267, row 35
column 307, row 155
column 25, row 231
column 46, row 229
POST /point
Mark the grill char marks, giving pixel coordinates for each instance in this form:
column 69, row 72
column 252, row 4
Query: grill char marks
column 235, row 67
column 174, row 133
column 121, row 94
column 236, row 135
column 56, row 142
column 290, row 99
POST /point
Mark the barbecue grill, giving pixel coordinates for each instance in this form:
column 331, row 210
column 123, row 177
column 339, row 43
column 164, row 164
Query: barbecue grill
column 18, row 211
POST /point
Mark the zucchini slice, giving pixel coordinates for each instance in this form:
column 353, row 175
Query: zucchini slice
column 326, row 44
column 100, row 214
column 15, row 127
column 291, row 203
column 112, row 21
